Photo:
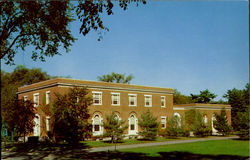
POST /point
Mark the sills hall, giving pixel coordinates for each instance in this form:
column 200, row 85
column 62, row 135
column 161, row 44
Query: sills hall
column 127, row 101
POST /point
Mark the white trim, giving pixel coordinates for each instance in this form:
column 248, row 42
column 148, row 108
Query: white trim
column 47, row 123
column 129, row 100
column 135, row 131
column 164, row 106
column 25, row 98
column 203, row 108
column 150, row 100
column 47, row 98
column 100, row 98
column 165, row 124
column 113, row 95
column 36, row 129
column 100, row 132
column 36, row 104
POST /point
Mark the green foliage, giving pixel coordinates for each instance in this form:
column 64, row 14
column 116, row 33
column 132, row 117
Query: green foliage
column 195, row 123
column 9, row 86
column 243, row 125
column 148, row 125
column 239, row 101
column 45, row 25
column 176, row 128
column 180, row 98
column 204, row 97
column 221, row 123
column 116, row 77
column 114, row 127
column 70, row 115
column 19, row 117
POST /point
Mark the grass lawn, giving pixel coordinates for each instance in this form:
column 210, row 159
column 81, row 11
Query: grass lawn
column 129, row 141
column 213, row 147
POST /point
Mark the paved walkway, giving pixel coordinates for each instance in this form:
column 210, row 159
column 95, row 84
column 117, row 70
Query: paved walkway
column 99, row 149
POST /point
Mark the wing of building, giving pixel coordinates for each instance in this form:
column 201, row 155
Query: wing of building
column 127, row 101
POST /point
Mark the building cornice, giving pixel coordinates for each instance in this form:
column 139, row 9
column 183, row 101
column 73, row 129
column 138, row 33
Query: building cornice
column 93, row 86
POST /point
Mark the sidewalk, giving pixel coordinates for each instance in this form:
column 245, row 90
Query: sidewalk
column 110, row 148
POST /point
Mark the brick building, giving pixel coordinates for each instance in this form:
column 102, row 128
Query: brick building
column 127, row 101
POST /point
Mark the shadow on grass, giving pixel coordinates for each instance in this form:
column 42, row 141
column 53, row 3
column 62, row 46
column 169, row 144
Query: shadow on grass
column 79, row 151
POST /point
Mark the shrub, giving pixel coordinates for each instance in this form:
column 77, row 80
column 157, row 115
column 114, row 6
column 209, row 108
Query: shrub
column 176, row 127
column 221, row 124
column 149, row 126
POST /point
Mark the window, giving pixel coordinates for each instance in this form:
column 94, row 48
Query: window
column 115, row 99
column 148, row 100
column 97, row 98
column 25, row 98
column 132, row 99
column 36, row 99
column 96, row 127
column 47, row 123
column 47, row 97
column 163, row 101
column 163, row 121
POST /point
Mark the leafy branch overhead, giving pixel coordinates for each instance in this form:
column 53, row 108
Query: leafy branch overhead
column 45, row 25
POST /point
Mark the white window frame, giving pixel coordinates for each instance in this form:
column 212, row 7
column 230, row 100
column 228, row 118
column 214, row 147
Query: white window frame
column 164, row 122
column 163, row 99
column 100, row 97
column 113, row 95
column 25, row 98
column 130, row 97
column 36, row 104
column 150, row 100
column 47, row 123
column 47, row 97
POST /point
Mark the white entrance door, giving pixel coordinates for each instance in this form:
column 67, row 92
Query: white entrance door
column 133, row 128
column 37, row 125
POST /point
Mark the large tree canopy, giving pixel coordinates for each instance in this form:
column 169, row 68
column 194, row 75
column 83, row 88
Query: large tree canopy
column 45, row 24
column 116, row 77
column 205, row 96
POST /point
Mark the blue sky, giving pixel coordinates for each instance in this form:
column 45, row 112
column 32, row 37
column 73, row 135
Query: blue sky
column 190, row 46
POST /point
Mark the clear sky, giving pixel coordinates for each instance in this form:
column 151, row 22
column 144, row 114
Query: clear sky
column 190, row 46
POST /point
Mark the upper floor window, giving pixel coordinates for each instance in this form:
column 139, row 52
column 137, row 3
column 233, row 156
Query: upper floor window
column 115, row 98
column 148, row 100
column 47, row 97
column 163, row 121
column 132, row 98
column 36, row 99
column 25, row 98
column 163, row 101
column 97, row 98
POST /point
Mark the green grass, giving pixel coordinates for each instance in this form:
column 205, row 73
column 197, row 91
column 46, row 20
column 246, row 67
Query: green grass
column 213, row 147
column 129, row 141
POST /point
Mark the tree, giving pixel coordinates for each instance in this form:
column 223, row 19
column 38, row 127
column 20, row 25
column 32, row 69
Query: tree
column 20, row 116
column 116, row 77
column 180, row 98
column 196, row 123
column 176, row 128
column 70, row 115
column 45, row 25
column 221, row 123
column 9, row 87
column 113, row 127
column 205, row 96
column 148, row 125
column 239, row 101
